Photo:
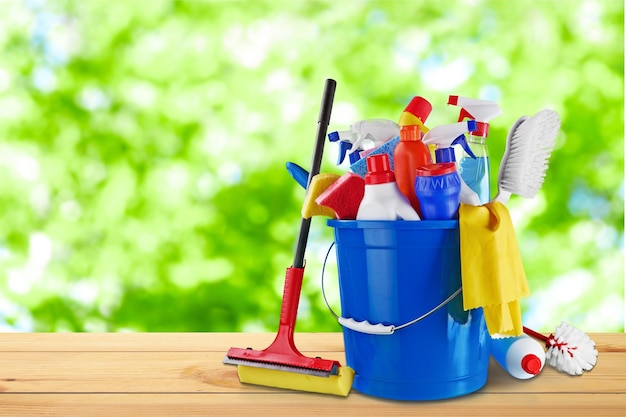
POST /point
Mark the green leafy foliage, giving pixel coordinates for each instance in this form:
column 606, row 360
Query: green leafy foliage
column 142, row 149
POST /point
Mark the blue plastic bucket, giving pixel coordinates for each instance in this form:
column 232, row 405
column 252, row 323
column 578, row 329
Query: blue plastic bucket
column 392, row 272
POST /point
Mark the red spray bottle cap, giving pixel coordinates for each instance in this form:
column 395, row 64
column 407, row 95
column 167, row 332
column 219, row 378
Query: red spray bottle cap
column 463, row 114
column 419, row 107
column 531, row 364
column 482, row 128
column 435, row 170
column 378, row 170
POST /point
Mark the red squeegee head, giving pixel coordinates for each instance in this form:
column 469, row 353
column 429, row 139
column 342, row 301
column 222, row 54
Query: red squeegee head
column 283, row 353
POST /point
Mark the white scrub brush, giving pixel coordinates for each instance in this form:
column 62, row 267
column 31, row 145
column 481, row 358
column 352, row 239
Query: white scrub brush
column 524, row 164
column 569, row 350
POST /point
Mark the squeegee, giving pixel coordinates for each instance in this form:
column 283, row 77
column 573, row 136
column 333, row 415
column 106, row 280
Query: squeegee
column 281, row 364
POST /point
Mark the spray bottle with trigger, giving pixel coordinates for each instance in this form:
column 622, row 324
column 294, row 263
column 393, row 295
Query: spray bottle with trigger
column 475, row 171
column 444, row 137
column 378, row 131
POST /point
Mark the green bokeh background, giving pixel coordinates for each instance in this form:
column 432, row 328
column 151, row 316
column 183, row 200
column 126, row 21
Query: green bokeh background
column 143, row 148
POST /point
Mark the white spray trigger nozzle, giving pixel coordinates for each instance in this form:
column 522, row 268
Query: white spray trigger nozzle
column 445, row 136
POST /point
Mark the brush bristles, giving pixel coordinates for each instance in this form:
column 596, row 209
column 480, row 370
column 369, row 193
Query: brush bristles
column 529, row 153
column 570, row 350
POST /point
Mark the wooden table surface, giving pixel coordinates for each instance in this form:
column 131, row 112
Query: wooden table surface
column 181, row 374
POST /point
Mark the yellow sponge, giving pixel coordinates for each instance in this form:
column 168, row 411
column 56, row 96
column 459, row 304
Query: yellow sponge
column 319, row 183
column 339, row 384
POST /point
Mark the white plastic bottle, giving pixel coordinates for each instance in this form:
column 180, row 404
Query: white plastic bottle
column 522, row 356
column 382, row 199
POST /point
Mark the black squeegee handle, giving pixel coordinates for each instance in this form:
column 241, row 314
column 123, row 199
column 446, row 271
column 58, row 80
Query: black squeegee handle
column 316, row 162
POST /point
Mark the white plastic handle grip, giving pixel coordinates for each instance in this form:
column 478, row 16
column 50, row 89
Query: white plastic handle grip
column 365, row 326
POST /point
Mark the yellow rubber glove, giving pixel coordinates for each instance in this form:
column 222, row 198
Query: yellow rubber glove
column 492, row 271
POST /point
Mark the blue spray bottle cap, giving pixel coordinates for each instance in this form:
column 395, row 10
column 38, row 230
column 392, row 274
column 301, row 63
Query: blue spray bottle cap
column 448, row 155
column 445, row 155
column 333, row 136
column 446, row 136
column 344, row 147
column 460, row 140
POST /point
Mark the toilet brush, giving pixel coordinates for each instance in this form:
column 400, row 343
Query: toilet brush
column 570, row 350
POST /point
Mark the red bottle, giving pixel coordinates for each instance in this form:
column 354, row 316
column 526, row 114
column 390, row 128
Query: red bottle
column 409, row 155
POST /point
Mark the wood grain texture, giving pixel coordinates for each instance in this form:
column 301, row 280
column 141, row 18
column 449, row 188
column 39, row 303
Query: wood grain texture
column 153, row 374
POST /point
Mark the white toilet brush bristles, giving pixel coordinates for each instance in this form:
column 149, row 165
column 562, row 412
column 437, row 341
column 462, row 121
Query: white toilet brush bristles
column 570, row 350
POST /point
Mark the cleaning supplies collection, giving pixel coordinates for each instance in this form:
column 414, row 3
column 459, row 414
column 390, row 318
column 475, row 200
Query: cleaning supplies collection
column 430, row 274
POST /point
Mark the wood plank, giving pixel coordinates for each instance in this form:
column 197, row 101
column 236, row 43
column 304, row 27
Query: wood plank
column 290, row 404
column 188, row 372
column 129, row 372
column 202, row 342
column 153, row 374
column 607, row 377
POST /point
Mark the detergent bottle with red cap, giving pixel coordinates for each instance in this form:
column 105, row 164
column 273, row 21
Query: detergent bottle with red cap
column 382, row 200
column 475, row 170
column 445, row 138
column 438, row 189
column 521, row 356
column 410, row 153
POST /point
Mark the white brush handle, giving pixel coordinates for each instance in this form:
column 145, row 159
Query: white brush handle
column 504, row 195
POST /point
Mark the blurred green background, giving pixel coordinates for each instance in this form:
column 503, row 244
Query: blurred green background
column 143, row 147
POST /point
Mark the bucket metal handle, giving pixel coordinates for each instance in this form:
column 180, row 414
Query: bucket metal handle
column 379, row 328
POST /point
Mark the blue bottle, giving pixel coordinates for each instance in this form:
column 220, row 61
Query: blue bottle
column 438, row 189
column 475, row 170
